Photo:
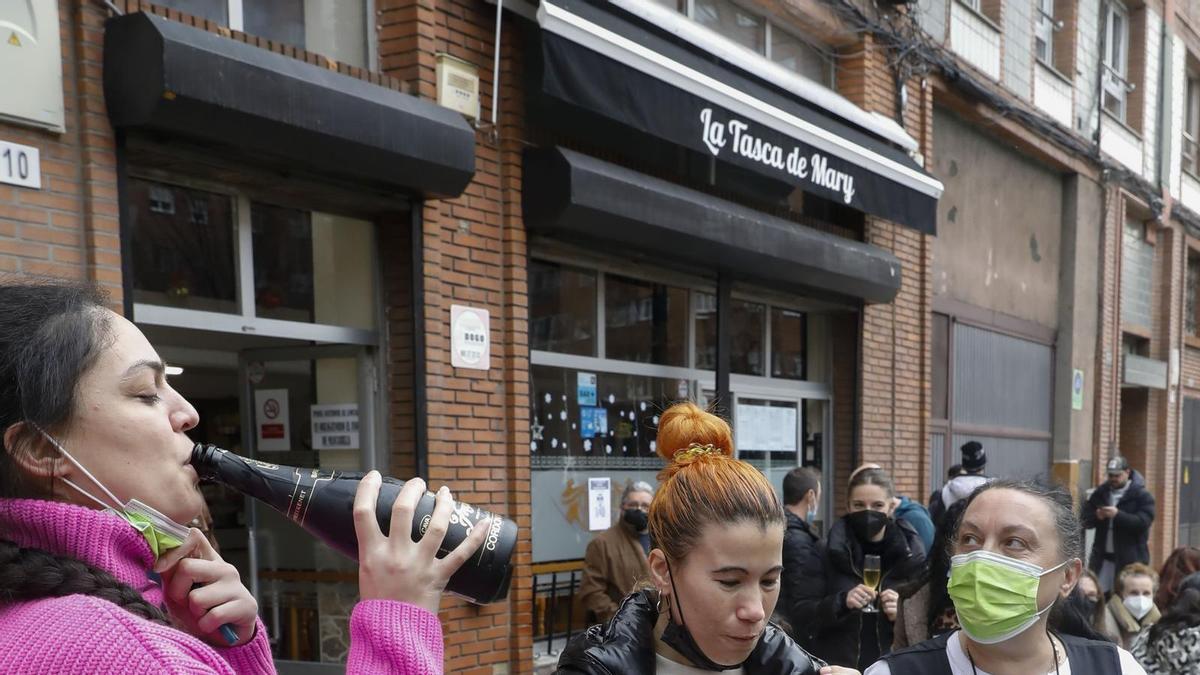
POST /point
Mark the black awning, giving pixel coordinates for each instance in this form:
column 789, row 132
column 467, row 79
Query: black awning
column 581, row 198
column 603, row 61
column 164, row 76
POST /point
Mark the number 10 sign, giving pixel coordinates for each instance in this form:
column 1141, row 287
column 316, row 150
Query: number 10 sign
column 20, row 165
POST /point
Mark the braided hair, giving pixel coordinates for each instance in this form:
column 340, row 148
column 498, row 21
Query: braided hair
column 31, row 574
column 51, row 333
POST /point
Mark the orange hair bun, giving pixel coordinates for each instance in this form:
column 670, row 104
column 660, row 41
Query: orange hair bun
column 715, row 488
column 687, row 434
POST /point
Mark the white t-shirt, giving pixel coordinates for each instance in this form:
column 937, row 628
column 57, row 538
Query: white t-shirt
column 960, row 664
column 665, row 666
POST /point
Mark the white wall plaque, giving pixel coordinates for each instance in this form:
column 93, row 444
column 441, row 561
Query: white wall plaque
column 470, row 338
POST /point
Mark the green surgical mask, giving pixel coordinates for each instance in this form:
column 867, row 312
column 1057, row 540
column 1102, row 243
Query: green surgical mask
column 995, row 596
column 160, row 532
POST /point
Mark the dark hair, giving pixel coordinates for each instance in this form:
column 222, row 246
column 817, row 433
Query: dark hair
column 1182, row 562
column 51, row 333
column 1062, row 507
column 939, row 564
column 1076, row 616
column 877, row 477
column 1183, row 613
column 954, row 471
column 798, row 482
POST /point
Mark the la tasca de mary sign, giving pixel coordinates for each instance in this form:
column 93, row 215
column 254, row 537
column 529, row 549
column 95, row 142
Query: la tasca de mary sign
column 735, row 134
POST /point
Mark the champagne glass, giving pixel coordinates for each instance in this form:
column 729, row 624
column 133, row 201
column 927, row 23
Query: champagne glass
column 870, row 578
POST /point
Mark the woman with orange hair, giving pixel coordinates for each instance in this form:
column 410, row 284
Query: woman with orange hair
column 717, row 527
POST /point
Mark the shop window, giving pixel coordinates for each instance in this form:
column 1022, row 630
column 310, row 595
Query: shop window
column 1191, row 315
column 562, row 309
column 609, row 417
column 645, row 322
column 1191, row 121
column 337, row 30
column 312, row 267
column 304, row 266
column 178, row 261
column 787, row 344
column 747, row 331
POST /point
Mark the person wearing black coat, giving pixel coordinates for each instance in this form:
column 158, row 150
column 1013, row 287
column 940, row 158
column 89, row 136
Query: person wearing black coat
column 803, row 553
column 833, row 602
column 1123, row 508
column 718, row 528
column 625, row 645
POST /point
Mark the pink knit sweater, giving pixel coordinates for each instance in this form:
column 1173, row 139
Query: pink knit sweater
column 87, row 635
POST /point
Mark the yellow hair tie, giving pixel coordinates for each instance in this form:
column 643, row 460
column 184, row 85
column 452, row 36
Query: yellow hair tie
column 695, row 450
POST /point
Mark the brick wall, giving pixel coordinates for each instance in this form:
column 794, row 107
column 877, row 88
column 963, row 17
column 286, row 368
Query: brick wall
column 474, row 254
column 69, row 228
column 893, row 385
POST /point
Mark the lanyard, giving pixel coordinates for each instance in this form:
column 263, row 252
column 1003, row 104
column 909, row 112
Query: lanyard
column 1053, row 648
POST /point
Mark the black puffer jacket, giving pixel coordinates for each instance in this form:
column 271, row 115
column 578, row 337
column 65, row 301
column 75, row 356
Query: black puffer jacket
column 803, row 578
column 625, row 645
column 837, row 638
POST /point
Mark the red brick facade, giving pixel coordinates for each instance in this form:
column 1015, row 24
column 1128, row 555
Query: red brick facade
column 474, row 251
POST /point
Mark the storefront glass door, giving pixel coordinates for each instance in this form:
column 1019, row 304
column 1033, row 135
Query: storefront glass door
column 311, row 407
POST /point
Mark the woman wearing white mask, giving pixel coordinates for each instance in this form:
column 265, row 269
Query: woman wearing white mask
column 1132, row 605
column 1016, row 554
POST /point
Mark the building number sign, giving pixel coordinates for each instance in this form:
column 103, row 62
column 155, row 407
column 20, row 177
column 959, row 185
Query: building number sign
column 20, row 165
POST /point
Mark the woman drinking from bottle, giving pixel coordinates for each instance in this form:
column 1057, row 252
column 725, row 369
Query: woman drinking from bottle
column 1016, row 555
column 717, row 528
column 868, row 556
column 94, row 475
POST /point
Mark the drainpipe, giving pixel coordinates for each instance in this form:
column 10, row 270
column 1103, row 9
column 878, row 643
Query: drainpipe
column 1166, row 97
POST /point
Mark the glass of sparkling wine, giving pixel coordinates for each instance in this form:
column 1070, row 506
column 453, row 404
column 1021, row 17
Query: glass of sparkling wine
column 871, row 573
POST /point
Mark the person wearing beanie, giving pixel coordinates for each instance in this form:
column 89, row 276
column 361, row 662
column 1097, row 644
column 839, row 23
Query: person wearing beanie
column 974, row 461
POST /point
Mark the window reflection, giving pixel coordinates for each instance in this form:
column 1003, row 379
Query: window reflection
column 733, row 22
column 645, row 322
column 182, row 246
column 562, row 309
column 283, row 263
column 787, row 344
column 747, row 331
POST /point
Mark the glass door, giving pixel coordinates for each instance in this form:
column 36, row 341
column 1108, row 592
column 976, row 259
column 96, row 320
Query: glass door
column 777, row 431
column 311, row 407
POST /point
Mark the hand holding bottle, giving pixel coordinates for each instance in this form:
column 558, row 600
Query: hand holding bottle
column 397, row 568
column 205, row 595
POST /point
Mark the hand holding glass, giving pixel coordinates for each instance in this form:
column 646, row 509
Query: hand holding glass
column 871, row 575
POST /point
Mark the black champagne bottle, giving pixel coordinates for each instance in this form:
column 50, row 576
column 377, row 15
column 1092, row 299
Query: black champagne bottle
column 322, row 502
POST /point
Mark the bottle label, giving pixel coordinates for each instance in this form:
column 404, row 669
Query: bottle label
column 262, row 465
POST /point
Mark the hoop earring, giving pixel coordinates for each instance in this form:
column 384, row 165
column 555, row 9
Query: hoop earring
column 661, row 603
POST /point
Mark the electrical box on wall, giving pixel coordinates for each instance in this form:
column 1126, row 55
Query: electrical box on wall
column 458, row 85
column 31, row 64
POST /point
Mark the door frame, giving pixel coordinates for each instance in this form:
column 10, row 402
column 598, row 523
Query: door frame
column 372, row 429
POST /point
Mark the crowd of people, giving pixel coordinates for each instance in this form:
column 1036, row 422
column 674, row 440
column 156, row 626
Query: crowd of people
column 709, row 571
column 991, row 578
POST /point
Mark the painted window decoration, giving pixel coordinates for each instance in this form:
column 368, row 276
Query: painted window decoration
column 584, row 419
